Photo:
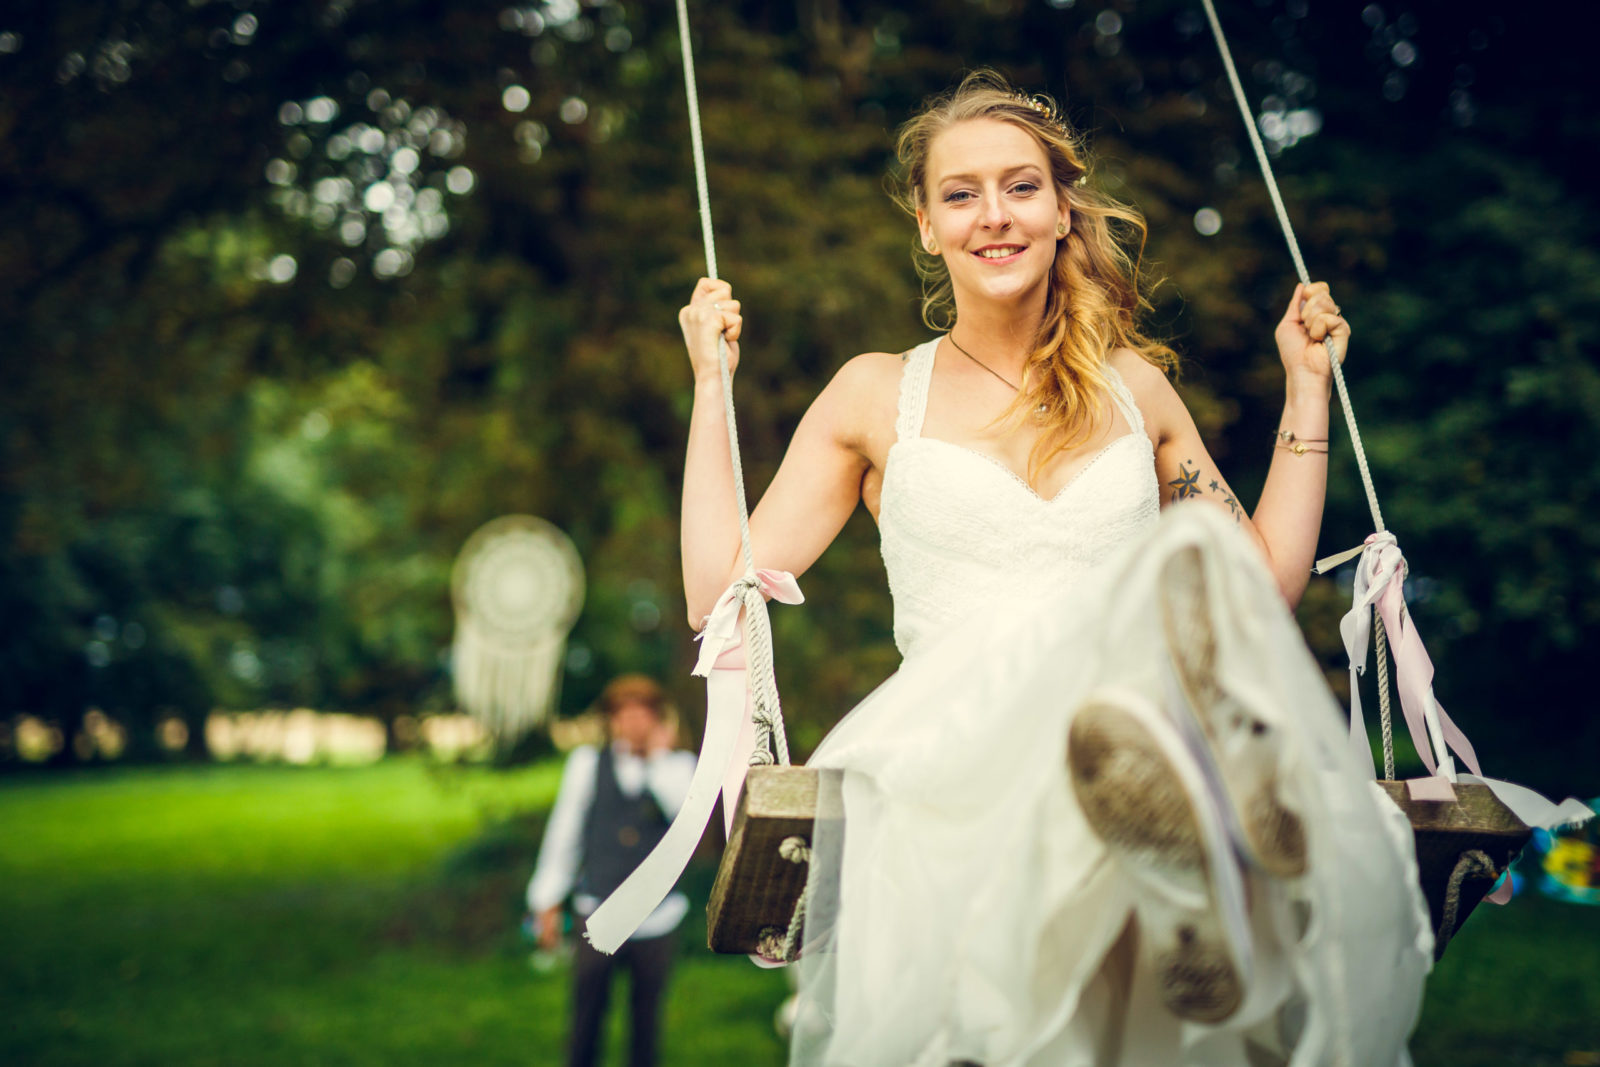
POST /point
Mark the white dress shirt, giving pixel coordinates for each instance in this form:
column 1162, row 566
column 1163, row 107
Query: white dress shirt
column 667, row 776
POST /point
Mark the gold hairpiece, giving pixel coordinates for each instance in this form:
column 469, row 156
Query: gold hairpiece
column 1041, row 107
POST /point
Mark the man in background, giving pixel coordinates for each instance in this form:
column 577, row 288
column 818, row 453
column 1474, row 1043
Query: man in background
column 614, row 804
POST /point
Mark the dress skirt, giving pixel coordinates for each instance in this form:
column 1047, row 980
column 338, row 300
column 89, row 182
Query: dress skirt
column 963, row 911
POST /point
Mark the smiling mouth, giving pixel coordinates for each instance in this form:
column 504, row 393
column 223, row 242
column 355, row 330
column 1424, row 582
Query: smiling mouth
column 998, row 251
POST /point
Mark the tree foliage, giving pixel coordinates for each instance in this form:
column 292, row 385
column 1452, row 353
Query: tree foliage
column 299, row 294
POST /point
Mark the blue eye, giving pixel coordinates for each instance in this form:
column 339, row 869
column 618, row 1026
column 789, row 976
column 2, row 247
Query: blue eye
column 957, row 196
column 1024, row 187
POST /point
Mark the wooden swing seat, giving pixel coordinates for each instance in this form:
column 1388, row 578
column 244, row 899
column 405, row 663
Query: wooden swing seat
column 757, row 888
column 1462, row 848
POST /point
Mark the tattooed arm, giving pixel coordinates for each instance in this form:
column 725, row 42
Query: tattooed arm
column 1286, row 521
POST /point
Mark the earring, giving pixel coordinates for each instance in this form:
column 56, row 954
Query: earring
column 932, row 248
column 1061, row 229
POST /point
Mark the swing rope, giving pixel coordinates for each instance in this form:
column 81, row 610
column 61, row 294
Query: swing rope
column 734, row 690
column 772, row 744
column 729, row 689
column 1380, row 640
column 771, row 741
column 1379, row 603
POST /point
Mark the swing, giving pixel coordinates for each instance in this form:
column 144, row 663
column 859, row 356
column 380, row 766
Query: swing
column 1466, row 832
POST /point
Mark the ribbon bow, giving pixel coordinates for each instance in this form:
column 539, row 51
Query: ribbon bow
column 724, row 757
column 722, row 625
column 1380, row 584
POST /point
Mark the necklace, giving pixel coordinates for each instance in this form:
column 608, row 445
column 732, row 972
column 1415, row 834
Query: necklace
column 1040, row 410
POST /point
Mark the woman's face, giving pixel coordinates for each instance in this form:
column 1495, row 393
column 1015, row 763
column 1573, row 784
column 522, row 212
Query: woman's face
column 991, row 209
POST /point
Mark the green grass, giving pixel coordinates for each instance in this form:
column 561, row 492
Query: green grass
column 1519, row 986
column 269, row 915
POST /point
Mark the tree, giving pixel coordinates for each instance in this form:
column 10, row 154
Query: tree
column 303, row 293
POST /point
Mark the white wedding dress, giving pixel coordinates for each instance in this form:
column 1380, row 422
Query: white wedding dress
column 962, row 911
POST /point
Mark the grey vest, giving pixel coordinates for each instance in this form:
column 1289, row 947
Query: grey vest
column 619, row 832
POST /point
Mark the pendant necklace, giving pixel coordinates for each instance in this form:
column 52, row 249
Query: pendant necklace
column 1040, row 410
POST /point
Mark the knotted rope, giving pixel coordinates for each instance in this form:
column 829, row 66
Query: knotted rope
column 1379, row 639
column 784, row 945
column 745, row 680
column 771, row 740
column 772, row 744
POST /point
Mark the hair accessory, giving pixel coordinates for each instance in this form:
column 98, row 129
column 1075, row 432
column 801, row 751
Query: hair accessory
column 1042, row 106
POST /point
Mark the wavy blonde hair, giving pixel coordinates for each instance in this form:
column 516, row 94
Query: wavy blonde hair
column 1096, row 292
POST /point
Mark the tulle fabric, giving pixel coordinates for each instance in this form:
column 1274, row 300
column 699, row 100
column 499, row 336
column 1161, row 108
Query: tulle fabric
column 960, row 908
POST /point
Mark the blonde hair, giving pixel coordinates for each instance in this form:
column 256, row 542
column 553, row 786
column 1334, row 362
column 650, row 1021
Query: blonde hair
column 1095, row 289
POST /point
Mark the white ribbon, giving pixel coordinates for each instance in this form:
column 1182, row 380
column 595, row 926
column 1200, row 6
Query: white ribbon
column 722, row 625
column 724, row 759
column 1380, row 586
column 1380, row 581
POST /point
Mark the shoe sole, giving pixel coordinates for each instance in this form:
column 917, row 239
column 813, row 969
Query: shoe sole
column 1138, row 801
column 1274, row 835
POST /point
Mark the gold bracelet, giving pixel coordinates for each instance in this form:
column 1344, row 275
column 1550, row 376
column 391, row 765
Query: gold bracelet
column 1300, row 448
column 1289, row 437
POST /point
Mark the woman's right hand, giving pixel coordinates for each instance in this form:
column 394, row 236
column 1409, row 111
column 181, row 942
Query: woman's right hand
column 711, row 310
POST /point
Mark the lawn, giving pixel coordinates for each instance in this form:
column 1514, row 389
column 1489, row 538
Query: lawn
column 270, row 915
column 274, row 915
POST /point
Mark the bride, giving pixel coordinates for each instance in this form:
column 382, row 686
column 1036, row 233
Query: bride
column 1105, row 811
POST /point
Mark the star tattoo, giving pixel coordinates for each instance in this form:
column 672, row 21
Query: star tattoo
column 1186, row 484
column 1227, row 498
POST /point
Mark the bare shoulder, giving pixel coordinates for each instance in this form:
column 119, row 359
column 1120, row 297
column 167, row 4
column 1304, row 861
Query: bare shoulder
column 1152, row 390
column 870, row 372
column 1142, row 377
column 864, row 385
column 860, row 400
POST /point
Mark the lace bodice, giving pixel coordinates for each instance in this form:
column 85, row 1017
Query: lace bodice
column 959, row 530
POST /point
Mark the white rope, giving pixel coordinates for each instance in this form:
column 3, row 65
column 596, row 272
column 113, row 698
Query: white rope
column 1381, row 643
column 1294, row 253
column 796, row 851
column 771, row 742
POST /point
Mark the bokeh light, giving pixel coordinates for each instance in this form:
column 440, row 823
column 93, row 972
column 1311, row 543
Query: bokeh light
column 282, row 269
column 574, row 110
column 515, row 98
column 378, row 183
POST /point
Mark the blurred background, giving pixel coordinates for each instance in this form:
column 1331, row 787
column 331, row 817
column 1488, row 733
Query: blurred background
column 295, row 296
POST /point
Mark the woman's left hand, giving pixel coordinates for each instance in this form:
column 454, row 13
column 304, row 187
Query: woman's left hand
column 1311, row 317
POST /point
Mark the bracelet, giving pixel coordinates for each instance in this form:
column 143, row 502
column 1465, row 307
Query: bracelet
column 1290, row 437
column 1299, row 445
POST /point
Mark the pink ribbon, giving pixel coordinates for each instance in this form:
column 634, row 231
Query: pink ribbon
column 1380, row 584
column 724, row 760
column 722, row 625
